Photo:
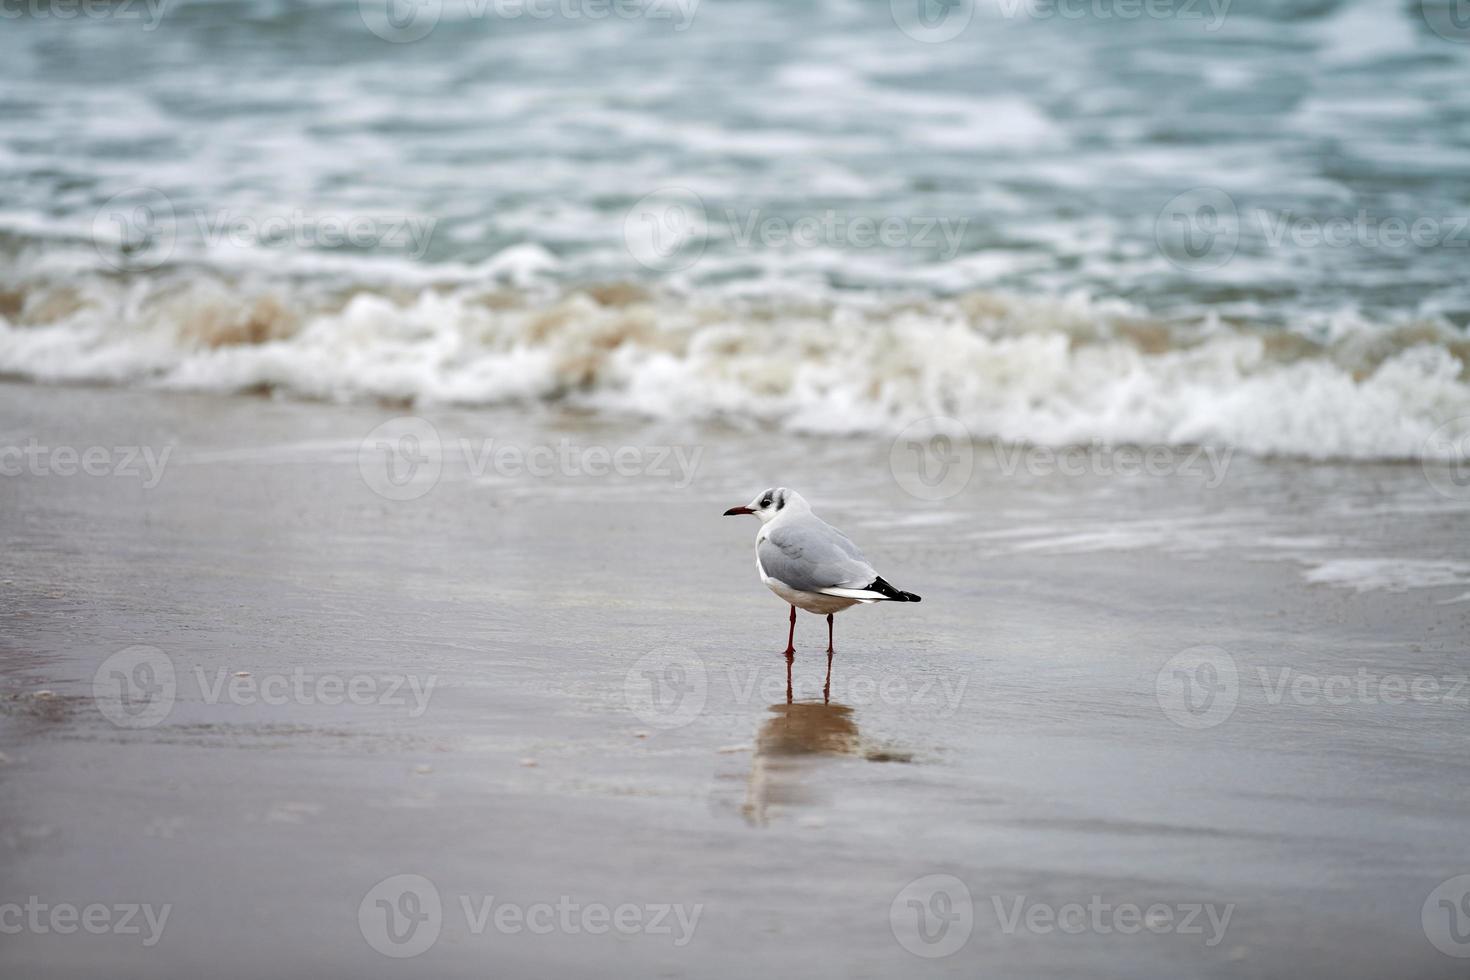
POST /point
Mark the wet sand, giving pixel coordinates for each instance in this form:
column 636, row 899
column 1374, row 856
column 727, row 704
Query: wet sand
column 569, row 694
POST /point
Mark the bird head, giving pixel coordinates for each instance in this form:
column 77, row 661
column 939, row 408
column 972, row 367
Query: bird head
column 770, row 503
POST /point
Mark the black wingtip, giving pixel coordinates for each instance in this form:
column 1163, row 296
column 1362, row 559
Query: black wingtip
column 889, row 592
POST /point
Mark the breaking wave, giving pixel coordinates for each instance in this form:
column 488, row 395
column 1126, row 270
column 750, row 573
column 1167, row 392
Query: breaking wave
column 1055, row 371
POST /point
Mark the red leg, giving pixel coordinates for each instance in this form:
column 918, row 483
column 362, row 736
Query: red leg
column 791, row 636
column 790, row 659
column 827, row 686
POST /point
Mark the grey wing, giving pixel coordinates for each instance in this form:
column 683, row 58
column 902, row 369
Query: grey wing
column 811, row 555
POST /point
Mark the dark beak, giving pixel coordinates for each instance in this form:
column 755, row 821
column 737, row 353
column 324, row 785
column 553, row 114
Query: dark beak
column 738, row 510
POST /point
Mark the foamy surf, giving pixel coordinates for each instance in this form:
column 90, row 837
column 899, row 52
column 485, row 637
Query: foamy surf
column 1047, row 371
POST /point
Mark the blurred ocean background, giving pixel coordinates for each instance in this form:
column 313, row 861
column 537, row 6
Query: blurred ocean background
column 1238, row 223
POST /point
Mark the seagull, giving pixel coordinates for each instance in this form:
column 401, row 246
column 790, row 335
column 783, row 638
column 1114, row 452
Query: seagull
column 810, row 563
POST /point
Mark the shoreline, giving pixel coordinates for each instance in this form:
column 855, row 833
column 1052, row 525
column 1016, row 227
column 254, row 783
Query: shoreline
column 1027, row 710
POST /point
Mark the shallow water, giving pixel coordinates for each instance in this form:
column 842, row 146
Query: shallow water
column 1055, row 133
column 1064, row 224
column 605, row 717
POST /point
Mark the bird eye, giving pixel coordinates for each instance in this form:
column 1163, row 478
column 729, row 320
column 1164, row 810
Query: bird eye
column 766, row 502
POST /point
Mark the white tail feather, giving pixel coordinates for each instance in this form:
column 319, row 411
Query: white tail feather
column 861, row 595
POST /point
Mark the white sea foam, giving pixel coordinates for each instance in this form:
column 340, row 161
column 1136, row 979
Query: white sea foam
column 1391, row 574
column 1058, row 371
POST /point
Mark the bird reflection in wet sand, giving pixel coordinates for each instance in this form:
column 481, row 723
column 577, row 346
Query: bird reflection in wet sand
column 826, row 684
column 797, row 736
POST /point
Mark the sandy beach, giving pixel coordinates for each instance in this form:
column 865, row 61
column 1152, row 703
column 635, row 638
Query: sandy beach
column 1198, row 723
column 376, row 377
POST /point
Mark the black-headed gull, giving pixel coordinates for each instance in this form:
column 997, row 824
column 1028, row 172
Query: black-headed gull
column 810, row 563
